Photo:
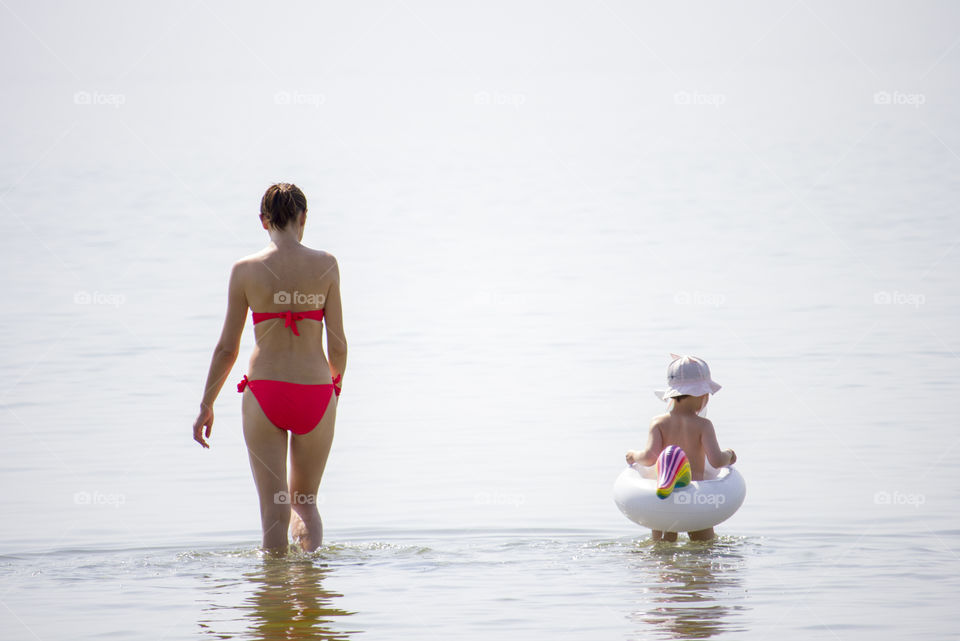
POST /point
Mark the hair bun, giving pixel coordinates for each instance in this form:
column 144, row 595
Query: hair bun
column 281, row 204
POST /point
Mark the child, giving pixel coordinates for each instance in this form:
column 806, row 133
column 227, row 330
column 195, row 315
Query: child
column 689, row 387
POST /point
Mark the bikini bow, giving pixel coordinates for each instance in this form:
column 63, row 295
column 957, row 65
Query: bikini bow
column 290, row 320
column 336, row 384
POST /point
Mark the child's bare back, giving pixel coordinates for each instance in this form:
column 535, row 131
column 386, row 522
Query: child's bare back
column 688, row 431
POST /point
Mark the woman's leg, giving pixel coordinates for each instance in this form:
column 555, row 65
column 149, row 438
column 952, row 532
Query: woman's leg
column 308, row 458
column 267, row 449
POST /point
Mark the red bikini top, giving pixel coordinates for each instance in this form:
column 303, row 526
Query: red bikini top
column 289, row 317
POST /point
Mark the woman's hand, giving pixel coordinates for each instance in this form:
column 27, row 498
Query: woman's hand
column 632, row 457
column 204, row 419
column 733, row 457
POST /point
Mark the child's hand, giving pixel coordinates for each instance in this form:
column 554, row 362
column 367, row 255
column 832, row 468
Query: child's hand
column 632, row 457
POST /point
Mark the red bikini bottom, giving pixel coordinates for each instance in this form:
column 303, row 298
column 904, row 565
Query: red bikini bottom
column 291, row 406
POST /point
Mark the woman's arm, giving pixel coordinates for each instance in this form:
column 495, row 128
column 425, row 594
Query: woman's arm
column 333, row 315
column 648, row 456
column 711, row 448
column 224, row 355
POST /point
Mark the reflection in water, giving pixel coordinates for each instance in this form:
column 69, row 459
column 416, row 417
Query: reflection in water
column 688, row 587
column 285, row 600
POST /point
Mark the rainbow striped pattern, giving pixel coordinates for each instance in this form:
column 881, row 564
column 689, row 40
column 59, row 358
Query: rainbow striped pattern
column 673, row 470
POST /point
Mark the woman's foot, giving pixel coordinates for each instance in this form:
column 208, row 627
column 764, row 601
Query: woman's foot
column 308, row 537
column 298, row 529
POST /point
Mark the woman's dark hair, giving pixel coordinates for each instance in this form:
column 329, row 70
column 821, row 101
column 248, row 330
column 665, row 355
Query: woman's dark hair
column 281, row 204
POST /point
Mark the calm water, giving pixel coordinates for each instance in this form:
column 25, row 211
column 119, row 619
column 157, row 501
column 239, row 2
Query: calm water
column 526, row 228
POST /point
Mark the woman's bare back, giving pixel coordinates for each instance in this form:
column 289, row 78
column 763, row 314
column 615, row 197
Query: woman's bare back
column 299, row 279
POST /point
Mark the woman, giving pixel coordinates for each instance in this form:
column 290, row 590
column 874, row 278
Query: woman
column 290, row 386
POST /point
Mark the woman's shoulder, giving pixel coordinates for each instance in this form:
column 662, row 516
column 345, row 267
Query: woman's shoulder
column 308, row 260
column 324, row 259
column 247, row 268
column 255, row 257
column 322, row 254
column 265, row 253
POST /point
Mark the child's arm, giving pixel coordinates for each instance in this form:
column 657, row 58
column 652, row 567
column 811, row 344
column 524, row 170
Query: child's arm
column 648, row 456
column 711, row 448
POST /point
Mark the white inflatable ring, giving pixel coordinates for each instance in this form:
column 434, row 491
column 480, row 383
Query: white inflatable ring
column 697, row 506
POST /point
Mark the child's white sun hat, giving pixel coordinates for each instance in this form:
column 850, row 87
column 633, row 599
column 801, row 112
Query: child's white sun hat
column 687, row 376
